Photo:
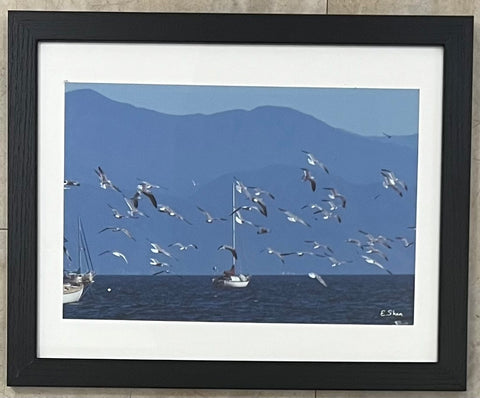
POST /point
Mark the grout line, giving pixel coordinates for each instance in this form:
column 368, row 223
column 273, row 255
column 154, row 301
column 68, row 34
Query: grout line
column 326, row 12
column 3, row 229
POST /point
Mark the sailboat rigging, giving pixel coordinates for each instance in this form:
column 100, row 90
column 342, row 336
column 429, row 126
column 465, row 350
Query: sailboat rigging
column 230, row 278
column 76, row 283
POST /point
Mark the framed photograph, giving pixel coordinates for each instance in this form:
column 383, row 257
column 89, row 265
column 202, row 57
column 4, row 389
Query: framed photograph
column 238, row 201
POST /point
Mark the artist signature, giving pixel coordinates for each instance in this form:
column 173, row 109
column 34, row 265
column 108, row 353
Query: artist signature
column 391, row 312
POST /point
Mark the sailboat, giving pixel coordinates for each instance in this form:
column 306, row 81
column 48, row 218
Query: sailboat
column 230, row 278
column 76, row 283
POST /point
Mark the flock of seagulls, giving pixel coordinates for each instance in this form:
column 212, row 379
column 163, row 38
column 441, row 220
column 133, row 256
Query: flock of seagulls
column 371, row 248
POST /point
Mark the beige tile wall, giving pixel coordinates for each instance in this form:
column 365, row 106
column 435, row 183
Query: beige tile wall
column 414, row 7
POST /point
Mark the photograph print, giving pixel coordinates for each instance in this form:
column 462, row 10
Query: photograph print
column 240, row 204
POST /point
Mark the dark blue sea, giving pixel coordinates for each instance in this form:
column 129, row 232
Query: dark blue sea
column 348, row 299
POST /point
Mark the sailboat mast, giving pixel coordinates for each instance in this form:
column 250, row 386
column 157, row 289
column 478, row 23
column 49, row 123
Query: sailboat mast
column 233, row 221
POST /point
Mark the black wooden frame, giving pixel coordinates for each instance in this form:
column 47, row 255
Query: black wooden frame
column 27, row 29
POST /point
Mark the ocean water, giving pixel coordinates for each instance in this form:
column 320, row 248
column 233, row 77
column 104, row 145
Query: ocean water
column 348, row 299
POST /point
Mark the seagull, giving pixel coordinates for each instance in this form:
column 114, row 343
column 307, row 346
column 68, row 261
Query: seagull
column 155, row 263
column 373, row 262
column 336, row 262
column 259, row 192
column 315, row 162
column 172, row 213
column 149, row 185
column 372, row 240
column 247, row 208
column 118, row 229
column 274, row 252
column 70, row 183
column 182, row 246
column 240, row 220
column 156, row 248
column 116, row 254
column 309, row 177
column 334, row 194
column 356, row 242
column 391, row 181
column 332, row 204
column 293, row 218
column 230, row 249
column 328, row 214
column 386, row 135
column 317, row 245
column 313, row 206
column 242, row 188
column 210, row 219
column 116, row 213
column 313, row 275
column 144, row 189
column 405, row 241
column 104, row 181
column 262, row 206
column 262, row 230
column 373, row 250
column 132, row 204
column 165, row 271
column 301, row 254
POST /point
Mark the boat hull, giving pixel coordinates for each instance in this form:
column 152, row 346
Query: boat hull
column 72, row 294
column 235, row 281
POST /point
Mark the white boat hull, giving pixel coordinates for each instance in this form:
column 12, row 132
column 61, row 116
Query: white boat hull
column 235, row 281
column 72, row 294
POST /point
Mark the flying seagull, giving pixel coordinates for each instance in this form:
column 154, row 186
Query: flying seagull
column 313, row 206
column 269, row 250
column 144, row 189
column 156, row 248
column 390, row 180
column 307, row 176
column 172, row 213
column 166, row 271
column 132, row 204
column 313, row 275
column 336, row 262
column 317, row 245
column 104, row 181
column 181, row 246
column 328, row 214
column 370, row 260
column 209, row 218
column 356, row 242
column 334, row 194
column 293, row 218
column 118, row 229
column 70, row 183
column 230, row 249
column 405, row 241
column 315, row 162
column 260, row 192
column 149, row 185
column 373, row 250
column 116, row 254
column 155, row 263
column 301, row 254
column 115, row 212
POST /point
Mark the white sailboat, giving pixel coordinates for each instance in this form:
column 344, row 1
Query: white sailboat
column 76, row 283
column 230, row 278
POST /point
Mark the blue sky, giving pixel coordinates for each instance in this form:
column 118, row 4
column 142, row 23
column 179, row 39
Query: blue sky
column 363, row 111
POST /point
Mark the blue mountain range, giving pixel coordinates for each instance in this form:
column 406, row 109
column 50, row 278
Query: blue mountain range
column 196, row 158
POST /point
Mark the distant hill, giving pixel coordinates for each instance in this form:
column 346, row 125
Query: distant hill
column 197, row 157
